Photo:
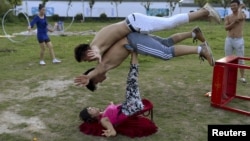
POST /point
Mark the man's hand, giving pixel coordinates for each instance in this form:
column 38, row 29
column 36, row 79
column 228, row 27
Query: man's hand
column 82, row 80
column 242, row 6
column 94, row 55
column 29, row 28
column 134, row 59
column 109, row 133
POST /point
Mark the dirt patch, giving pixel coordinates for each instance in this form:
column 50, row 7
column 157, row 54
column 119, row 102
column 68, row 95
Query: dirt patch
column 11, row 122
column 49, row 88
column 22, row 91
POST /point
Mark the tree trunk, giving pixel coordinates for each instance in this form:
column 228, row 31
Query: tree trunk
column 116, row 5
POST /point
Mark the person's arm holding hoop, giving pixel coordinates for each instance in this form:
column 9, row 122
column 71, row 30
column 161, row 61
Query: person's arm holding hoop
column 32, row 23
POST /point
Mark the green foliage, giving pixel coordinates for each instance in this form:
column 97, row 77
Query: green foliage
column 116, row 1
column 225, row 3
column 247, row 2
column 11, row 18
column 103, row 16
column 201, row 3
column 159, row 15
column 22, row 17
column 44, row 2
column 79, row 17
column 146, row 4
column 4, row 7
column 55, row 17
column 15, row 2
column 91, row 3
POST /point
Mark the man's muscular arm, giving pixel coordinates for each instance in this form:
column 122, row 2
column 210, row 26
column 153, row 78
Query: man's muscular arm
column 95, row 54
column 241, row 15
column 111, row 59
column 229, row 25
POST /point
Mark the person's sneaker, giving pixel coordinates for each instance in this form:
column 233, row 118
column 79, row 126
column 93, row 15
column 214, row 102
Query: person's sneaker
column 42, row 63
column 243, row 80
column 198, row 35
column 55, row 61
column 206, row 53
column 208, row 94
column 213, row 14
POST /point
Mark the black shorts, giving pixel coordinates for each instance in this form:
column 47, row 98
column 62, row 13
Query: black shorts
column 46, row 41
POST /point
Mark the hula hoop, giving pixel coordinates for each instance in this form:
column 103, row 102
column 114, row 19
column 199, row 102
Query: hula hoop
column 73, row 18
column 7, row 35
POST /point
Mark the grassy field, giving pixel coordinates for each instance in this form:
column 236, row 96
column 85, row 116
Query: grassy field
column 43, row 102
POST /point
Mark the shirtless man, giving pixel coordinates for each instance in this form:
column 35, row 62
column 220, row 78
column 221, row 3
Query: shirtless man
column 163, row 48
column 137, row 22
column 234, row 24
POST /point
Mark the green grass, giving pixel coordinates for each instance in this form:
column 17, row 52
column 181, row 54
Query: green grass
column 176, row 88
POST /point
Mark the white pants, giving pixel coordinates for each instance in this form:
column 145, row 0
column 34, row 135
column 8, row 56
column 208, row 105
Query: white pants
column 235, row 44
column 148, row 24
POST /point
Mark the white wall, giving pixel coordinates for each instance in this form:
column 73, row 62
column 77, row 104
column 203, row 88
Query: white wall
column 76, row 7
column 125, row 8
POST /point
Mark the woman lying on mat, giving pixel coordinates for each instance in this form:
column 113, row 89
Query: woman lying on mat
column 115, row 114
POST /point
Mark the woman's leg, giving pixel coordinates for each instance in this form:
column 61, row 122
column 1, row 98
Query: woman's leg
column 52, row 53
column 133, row 102
column 51, row 50
column 42, row 47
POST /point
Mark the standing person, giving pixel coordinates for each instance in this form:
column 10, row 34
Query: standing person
column 234, row 24
column 42, row 36
column 115, row 114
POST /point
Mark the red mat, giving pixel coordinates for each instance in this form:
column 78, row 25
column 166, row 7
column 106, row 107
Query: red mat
column 134, row 126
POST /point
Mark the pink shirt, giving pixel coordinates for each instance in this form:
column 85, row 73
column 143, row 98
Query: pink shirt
column 112, row 112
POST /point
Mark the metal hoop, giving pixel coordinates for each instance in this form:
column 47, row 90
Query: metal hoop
column 5, row 33
column 73, row 18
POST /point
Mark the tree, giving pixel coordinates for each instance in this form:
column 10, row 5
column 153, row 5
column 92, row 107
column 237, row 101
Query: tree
column 146, row 4
column 44, row 2
column 4, row 6
column 91, row 4
column 14, row 3
column 69, row 5
column 116, row 5
column 247, row 3
column 173, row 4
column 224, row 4
column 200, row 3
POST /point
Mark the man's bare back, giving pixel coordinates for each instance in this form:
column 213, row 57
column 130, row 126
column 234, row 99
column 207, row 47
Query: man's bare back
column 109, row 35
